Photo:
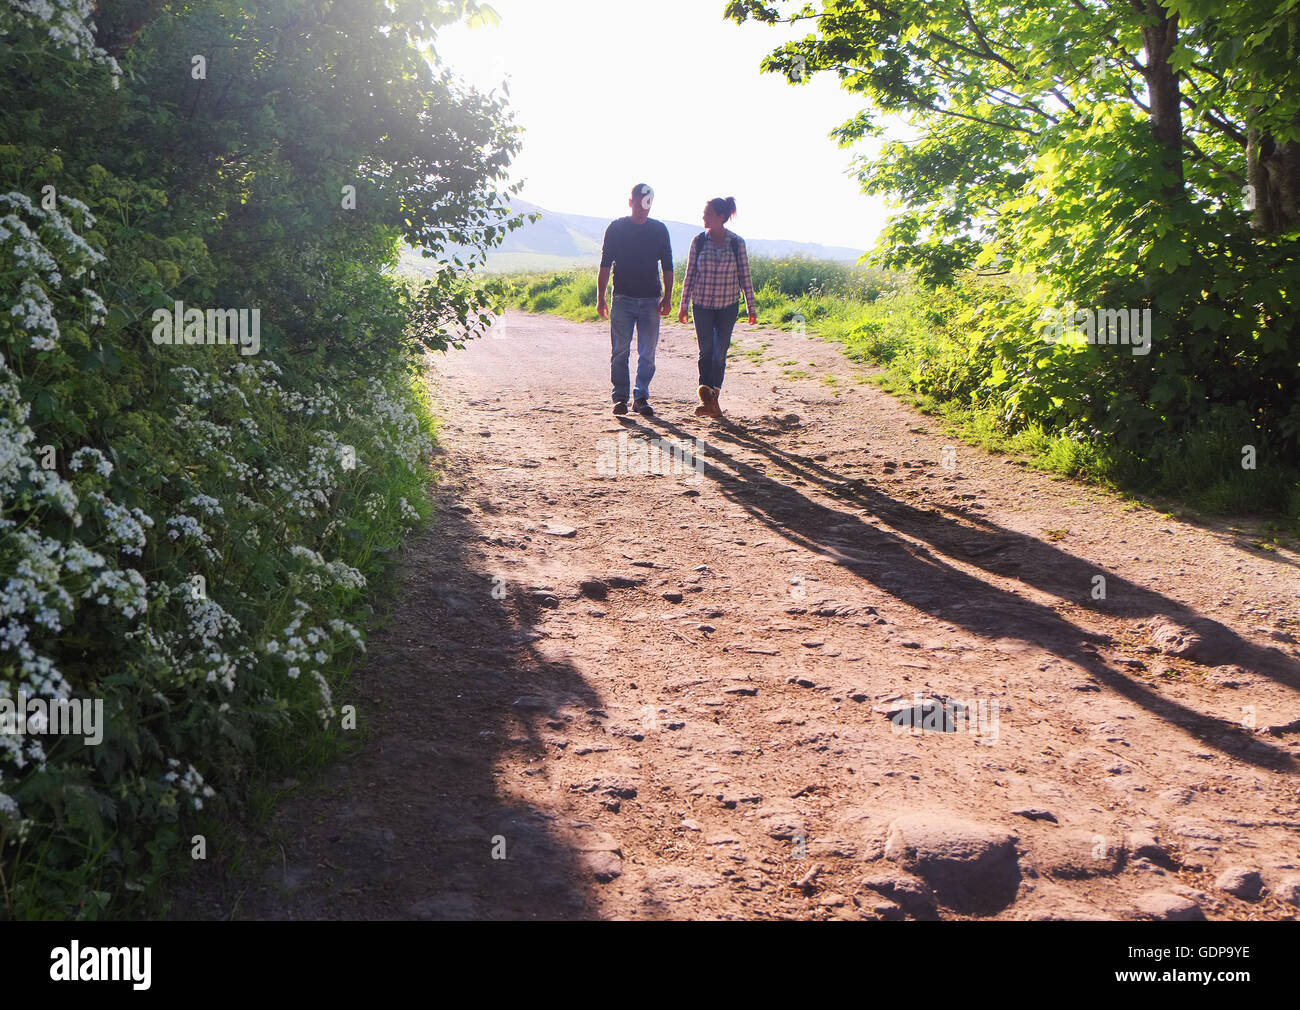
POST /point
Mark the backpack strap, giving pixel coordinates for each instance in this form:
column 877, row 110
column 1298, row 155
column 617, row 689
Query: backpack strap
column 732, row 240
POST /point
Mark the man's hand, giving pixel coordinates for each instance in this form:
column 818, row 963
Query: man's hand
column 753, row 319
column 665, row 306
column 681, row 316
column 602, row 288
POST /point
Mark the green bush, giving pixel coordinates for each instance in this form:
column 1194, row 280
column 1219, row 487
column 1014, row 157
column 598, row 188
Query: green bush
column 189, row 532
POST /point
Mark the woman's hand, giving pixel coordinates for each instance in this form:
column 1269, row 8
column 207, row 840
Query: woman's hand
column 753, row 319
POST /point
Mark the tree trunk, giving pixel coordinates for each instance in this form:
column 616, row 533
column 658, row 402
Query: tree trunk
column 1273, row 170
column 1162, row 87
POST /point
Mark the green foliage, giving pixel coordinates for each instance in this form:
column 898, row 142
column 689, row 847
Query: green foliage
column 1120, row 155
column 794, row 276
column 569, row 293
column 188, row 532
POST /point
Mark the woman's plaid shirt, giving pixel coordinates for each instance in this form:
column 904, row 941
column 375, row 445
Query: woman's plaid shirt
column 714, row 277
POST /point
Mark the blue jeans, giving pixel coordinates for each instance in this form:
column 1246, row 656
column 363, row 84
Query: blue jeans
column 713, row 333
column 644, row 314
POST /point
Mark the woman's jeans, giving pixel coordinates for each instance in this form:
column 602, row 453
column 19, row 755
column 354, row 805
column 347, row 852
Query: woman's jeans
column 713, row 333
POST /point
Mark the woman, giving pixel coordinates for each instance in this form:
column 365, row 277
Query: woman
column 717, row 268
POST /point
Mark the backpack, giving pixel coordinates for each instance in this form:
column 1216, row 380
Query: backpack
column 702, row 237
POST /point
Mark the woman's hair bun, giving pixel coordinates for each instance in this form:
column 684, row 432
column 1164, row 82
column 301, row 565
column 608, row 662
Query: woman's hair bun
column 724, row 206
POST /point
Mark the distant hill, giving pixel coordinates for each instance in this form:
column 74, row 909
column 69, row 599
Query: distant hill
column 562, row 240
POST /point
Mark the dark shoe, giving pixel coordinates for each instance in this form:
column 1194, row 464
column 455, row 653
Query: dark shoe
column 620, row 407
column 642, row 407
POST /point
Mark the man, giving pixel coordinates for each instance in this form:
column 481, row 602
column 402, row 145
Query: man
column 635, row 246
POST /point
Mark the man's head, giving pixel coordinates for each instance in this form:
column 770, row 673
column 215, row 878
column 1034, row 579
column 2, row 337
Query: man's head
column 642, row 198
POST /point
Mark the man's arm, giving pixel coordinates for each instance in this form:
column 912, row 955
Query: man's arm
column 602, row 281
column 666, row 261
column 666, row 304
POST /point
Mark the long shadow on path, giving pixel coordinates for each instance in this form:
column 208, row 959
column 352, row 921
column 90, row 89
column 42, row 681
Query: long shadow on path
column 916, row 577
column 1037, row 563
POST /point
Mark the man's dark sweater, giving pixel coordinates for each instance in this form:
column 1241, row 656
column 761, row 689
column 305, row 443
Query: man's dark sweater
column 635, row 251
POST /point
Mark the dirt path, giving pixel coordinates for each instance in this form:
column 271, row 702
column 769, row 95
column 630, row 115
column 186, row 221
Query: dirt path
column 708, row 721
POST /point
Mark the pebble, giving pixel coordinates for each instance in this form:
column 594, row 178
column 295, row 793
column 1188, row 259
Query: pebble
column 910, row 893
column 1169, row 907
column 1036, row 814
column 730, row 800
column 1144, row 845
column 601, row 854
column 971, row 867
column 1173, row 640
column 1241, row 882
column 1288, row 889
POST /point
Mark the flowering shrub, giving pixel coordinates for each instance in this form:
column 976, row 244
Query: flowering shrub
column 189, row 535
column 220, row 601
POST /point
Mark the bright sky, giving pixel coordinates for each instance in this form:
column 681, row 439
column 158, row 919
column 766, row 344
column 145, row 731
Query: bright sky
column 612, row 93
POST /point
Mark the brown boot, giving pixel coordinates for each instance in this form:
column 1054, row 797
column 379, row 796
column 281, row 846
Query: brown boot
column 707, row 406
column 715, row 410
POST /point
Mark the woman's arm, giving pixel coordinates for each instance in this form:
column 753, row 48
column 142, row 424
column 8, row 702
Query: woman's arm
column 746, row 281
column 688, row 281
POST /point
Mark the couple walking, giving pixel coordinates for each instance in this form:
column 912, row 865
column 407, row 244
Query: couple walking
column 717, row 268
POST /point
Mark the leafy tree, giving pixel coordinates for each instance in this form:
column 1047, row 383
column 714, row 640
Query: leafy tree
column 1123, row 153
